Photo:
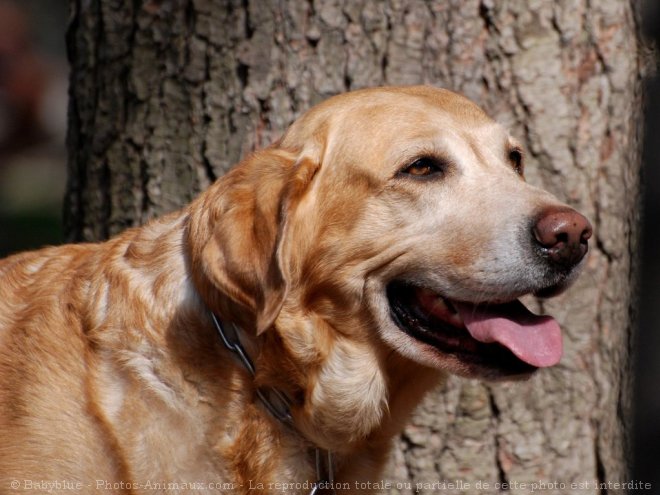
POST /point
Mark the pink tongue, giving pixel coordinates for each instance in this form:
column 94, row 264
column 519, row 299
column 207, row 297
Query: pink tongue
column 532, row 338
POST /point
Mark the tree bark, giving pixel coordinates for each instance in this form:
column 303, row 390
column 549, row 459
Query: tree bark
column 168, row 94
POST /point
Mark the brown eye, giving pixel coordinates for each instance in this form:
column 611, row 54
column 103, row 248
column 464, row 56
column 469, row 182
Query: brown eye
column 424, row 168
column 516, row 158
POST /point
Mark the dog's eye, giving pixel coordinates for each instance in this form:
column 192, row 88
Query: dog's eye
column 424, row 167
column 516, row 158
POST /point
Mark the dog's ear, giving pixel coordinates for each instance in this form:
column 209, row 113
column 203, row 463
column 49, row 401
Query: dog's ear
column 235, row 232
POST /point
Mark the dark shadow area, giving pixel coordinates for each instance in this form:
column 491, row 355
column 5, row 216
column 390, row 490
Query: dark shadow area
column 646, row 435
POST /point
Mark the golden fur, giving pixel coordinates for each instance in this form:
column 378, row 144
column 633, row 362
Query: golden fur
column 111, row 369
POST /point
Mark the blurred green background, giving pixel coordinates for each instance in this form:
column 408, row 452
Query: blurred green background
column 33, row 104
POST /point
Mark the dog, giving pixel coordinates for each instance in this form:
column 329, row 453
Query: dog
column 274, row 335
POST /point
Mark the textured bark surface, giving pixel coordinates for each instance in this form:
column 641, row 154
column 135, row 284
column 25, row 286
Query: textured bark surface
column 168, row 94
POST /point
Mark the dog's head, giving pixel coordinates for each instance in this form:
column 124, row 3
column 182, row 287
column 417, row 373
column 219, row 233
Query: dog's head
column 392, row 220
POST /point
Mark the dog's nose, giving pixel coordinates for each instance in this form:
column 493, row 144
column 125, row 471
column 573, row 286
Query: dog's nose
column 563, row 234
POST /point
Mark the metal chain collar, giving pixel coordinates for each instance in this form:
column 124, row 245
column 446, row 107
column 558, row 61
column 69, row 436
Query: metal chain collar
column 278, row 405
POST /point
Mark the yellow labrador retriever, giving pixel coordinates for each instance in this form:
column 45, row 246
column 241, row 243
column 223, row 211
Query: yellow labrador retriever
column 274, row 335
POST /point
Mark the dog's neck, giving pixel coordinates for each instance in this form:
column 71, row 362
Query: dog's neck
column 276, row 403
column 356, row 455
column 348, row 401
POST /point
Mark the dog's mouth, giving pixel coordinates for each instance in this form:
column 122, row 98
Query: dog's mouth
column 505, row 338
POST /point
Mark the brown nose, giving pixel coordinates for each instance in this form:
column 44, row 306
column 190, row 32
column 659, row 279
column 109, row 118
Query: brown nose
column 563, row 234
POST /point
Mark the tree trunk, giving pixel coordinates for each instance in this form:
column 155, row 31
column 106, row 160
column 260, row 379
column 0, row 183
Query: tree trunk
column 168, row 94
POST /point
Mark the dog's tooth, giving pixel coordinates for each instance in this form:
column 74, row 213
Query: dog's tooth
column 449, row 313
column 439, row 306
column 439, row 303
column 456, row 320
